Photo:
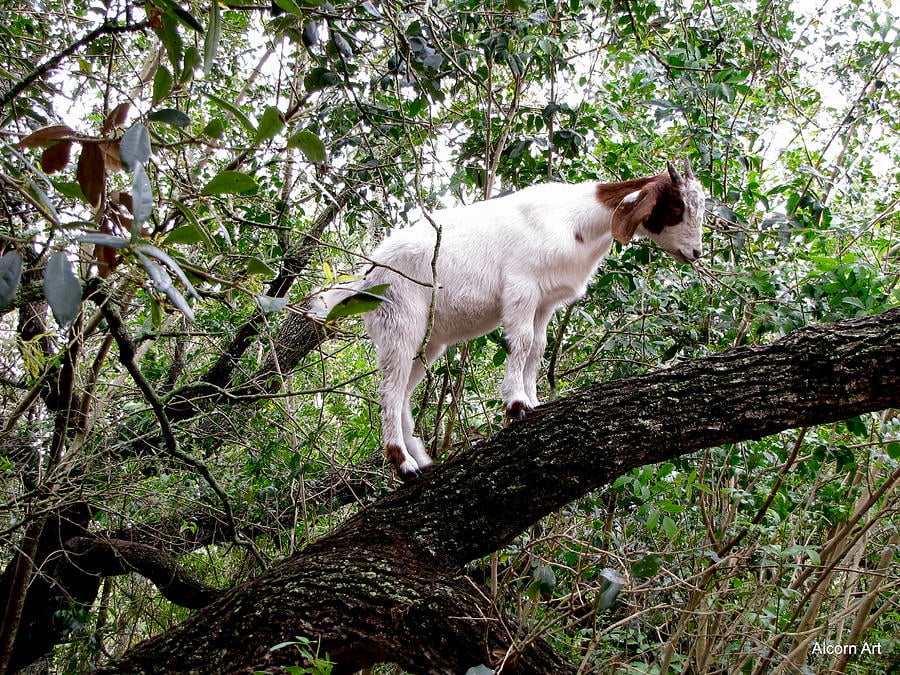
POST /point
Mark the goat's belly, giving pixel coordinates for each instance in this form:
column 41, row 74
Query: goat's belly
column 459, row 322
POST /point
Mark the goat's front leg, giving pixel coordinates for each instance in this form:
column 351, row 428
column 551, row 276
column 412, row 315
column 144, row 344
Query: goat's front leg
column 518, row 332
column 536, row 354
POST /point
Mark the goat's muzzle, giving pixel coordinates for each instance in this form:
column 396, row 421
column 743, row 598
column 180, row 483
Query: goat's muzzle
column 686, row 257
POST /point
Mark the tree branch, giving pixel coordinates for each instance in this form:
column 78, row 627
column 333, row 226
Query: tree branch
column 115, row 557
column 127, row 359
column 106, row 28
column 220, row 373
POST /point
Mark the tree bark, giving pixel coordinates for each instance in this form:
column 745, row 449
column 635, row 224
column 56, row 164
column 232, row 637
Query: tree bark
column 387, row 584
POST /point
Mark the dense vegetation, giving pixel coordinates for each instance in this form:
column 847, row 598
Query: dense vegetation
column 177, row 178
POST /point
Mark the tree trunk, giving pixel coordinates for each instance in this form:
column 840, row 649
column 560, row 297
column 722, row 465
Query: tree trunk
column 387, row 585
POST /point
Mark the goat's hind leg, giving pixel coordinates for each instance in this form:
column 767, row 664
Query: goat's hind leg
column 413, row 445
column 395, row 361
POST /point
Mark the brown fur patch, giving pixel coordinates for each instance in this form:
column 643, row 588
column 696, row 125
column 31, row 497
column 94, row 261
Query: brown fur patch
column 612, row 194
column 517, row 410
column 659, row 204
column 395, row 456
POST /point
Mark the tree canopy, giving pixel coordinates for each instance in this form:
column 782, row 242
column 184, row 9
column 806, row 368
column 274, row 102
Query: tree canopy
column 178, row 177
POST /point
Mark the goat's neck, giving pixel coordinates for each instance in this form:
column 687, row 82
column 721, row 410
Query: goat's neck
column 594, row 218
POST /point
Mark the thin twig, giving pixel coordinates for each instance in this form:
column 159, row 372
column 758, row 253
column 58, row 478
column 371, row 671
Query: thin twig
column 171, row 444
column 106, row 28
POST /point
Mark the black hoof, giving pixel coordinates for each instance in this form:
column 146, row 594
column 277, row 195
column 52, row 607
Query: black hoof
column 407, row 476
column 517, row 410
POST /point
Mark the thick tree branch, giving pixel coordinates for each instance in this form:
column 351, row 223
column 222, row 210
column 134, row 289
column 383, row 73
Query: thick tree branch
column 376, row 588
column 115, row 557
column 54, row 589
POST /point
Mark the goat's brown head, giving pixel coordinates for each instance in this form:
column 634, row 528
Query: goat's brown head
column 668, row 208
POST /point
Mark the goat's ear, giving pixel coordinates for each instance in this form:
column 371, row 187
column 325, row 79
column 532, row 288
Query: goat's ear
column 673, row 174
column 633, row 212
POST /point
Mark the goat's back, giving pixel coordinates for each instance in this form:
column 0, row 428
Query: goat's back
column 535, row 243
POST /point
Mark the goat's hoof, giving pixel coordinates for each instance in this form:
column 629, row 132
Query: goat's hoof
column 517, row 410
column 407, row 476
column 405, row 467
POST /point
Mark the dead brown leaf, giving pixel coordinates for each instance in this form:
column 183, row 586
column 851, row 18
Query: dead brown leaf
column 45, row 136
column 111, row 156
column 91, row 173
column 56, row 157
column 117, row 117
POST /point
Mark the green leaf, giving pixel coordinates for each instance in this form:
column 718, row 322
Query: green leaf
column 612, row 584
column 135, row 146
column 229, row 182
column 38, row 192
column 169, row 261
column 170, row 37
column 181, row 14
column 108, row 240
column 646, row 567
column 194, row 222
column 544, row 578
column 162, row 83
column 192, row 62
column 514, row 61
column 215, row 128
column 290, row 7
column 234, row 110
column 359, row 303
column 186, row 234
column 258, row 266
column 163, row 283
column 10, row 274
column 213, row 35
column 721, row 91
column 480, row 669
column 70, row 188
column 856, row 426
column 62, row 289
column 270, row 124
column 269, row 304
column 170, row 116
column 669, row 527
column 156, row 314
column 142, row 200
column 310, row 34
column 310, row 145
column 343, row 47
column 320, row 78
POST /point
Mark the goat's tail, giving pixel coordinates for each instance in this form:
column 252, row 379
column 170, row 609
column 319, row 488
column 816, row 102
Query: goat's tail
column 324, row 300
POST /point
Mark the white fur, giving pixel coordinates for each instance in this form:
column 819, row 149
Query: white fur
column 509, row 261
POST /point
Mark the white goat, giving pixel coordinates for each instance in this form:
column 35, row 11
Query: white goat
column 508, row 261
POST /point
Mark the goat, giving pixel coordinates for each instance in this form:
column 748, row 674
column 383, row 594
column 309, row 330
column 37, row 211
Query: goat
column 509, row 261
